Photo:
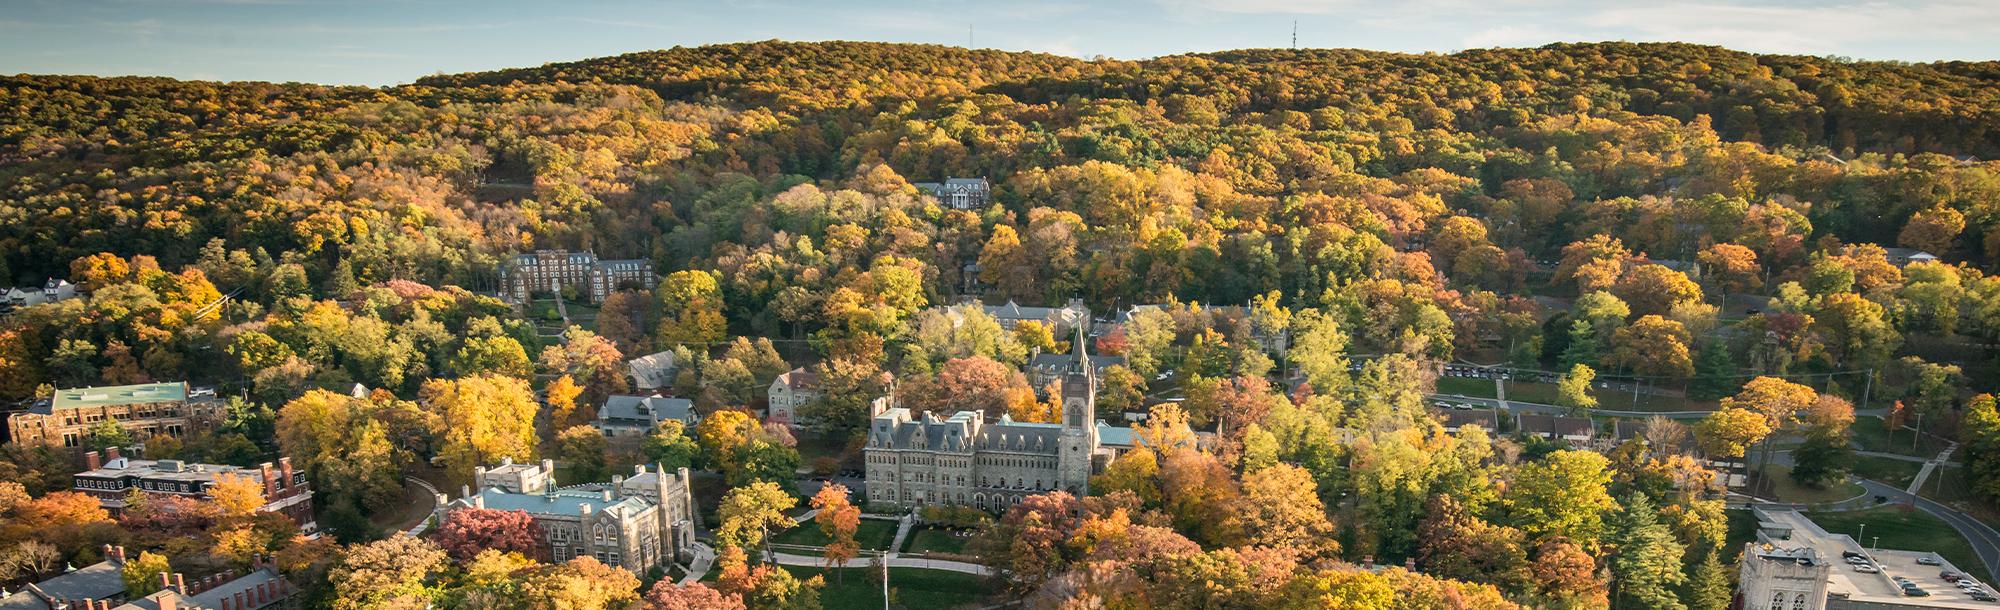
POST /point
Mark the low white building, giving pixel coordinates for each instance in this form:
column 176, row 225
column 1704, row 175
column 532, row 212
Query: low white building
column 790, row 391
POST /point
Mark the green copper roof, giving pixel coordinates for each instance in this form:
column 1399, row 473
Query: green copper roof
column 121, row 395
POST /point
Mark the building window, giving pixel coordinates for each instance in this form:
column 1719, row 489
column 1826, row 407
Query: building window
column 1778, row 600
column 1799, row 602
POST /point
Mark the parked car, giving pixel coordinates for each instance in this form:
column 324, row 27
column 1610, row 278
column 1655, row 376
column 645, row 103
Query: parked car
column 1928, row 560
column 1950, row 576
column 1982, row 596
column 1850, row 554
column 1915, row 592
column 1866, row 569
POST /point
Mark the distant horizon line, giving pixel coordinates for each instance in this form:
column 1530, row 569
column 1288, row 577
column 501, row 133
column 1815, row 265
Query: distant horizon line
column 1091, row 59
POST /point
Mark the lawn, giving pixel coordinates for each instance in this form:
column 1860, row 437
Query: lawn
column 936, row 540
column 1546, row 394
column 1902, row 527
column 911, row 587
column 1787, row 490
column 1873, row 434
column 873, row 534
column 1742, row 528
column 1895, row 472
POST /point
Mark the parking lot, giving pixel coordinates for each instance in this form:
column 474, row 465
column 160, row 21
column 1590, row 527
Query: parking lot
column 1844, row 583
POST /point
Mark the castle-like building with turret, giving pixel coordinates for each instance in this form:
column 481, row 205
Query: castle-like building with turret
column 964, row 460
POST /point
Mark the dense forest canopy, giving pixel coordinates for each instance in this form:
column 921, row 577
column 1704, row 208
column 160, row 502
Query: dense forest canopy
column 1730, row 231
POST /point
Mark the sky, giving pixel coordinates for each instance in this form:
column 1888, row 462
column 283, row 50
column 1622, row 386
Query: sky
column 386, row 42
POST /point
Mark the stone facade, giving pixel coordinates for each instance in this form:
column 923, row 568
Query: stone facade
column 285, row 491
column 790, row 391
column 144, row 410
column 1772, row 578
column 554, row 270
column 628, row 419
column 965, row 460
column 638, row 523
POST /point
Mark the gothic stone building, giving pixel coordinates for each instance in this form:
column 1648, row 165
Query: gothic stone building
column 638, row 523
column 144, row 410
column 965, row 460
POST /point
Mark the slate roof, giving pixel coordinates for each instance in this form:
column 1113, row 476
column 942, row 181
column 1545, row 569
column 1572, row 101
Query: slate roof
column 800, row 379
column 1453, row 418
column 213, row 597
column 644, row 410
column 101, row 580
column 1556, row 425
column 654, row 370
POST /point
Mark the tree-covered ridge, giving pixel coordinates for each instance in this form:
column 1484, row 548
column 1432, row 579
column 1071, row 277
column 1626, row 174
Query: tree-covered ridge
column 793, row 75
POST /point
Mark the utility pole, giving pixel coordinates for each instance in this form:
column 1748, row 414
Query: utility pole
column 885, row 580
column 1295, row 34
column 1868, row 389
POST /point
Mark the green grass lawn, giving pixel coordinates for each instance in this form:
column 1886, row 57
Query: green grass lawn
column 935, row 540
column 911, row 587
column 1895, row 472
column 1905, row 528
column 874, row 534
column 1742, row 528
column 1788, row 490
column 1873, row 434
column 1546, row 394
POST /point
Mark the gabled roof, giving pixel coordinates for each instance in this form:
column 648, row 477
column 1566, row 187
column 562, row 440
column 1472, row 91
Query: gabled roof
column 648, row 410
column 1557, row 425
column 99, row 580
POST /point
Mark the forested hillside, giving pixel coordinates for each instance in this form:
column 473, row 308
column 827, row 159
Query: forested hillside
column 1496, row 206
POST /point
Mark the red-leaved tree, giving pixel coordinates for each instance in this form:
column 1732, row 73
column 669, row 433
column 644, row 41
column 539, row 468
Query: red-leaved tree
column 468, row 531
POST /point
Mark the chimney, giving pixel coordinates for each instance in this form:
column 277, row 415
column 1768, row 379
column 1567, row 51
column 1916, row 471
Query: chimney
column 506, row 460
column 166, row 580
column 683, row 475
column 583, row 509
column 119, row 552
column 241, row 599
column 617, row 479
column 110, row 453
column 549, row 466
column 260, row 594
column 479, row 501
column 638, row 469
column 92, row 462
column 225, row 604
column 285, row 468
column 180, row 582
column 270, row 481
column 607, row 495
column 478, row 472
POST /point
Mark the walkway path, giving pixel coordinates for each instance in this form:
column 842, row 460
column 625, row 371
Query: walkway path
column 1930, row 466
column 704, row 558
column 430, row 497
column 920, row 563
column 902, row 531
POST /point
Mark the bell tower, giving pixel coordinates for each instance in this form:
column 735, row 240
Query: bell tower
column 1079, row 419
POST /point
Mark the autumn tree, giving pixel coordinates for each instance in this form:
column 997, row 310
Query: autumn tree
column 480, row 419
column 1282, row 511
column 666, row 595
column 690, row 304
column 583, row 583
column 838, row 519
column 1573, row 389
column 749, row 514
column 1729, row 432
column 467, row 532
column 584, row 450
column 1563, row 495
column 388, row 573
column 1653, row 345
column 142, row 574
column 1734, row 268
column 588, row 359
column 1656, row 289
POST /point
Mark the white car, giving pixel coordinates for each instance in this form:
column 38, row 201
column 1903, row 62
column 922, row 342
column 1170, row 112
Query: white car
column 1866, row 569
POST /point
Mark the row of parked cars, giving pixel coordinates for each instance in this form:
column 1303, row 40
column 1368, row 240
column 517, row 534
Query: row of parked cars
column 1966, row 584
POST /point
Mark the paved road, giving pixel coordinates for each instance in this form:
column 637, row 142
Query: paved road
column 1985, row 541
column 1535, row 407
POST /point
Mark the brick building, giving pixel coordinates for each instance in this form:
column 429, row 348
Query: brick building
column 554, row 270
column 110, row 480
column 144, row 410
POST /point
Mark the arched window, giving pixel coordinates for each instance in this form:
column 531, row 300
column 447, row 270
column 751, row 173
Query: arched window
column 1799, row 602
column 1778, row 600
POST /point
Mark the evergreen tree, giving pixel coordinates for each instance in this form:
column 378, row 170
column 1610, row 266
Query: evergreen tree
column 1821, row 460
column 1708, row 588
column 1583, row 346
column 1646, row 565
column 1714, row 373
